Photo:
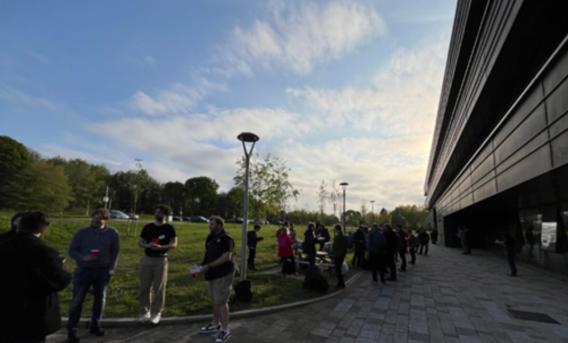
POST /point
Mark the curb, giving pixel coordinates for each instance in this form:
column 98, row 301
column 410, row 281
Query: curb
column 132, row 321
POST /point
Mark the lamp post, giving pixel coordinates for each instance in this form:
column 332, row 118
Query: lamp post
column 246, row 137
column 344, row 186
column 373, row 210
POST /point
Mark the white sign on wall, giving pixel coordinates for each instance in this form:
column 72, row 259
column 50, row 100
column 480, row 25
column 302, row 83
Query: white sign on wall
column 548, row 235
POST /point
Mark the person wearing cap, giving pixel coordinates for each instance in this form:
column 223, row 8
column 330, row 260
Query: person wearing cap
column 95, row 250
column 30, row 305
column 156, row 239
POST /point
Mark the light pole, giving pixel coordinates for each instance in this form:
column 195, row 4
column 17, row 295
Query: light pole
column 373, row 210
column 246, row 137
column 344, row 186
column 106, row 198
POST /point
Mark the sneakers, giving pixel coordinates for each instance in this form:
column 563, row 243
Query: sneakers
column 156, row 319
column 210, row 328
column 72, row 337
column 223, row 336
column 143, row 318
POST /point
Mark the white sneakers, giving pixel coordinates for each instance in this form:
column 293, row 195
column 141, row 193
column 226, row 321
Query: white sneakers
column 146, row 317
column 156, row 319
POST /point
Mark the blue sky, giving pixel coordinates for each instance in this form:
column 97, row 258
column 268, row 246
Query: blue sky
column 340, row 90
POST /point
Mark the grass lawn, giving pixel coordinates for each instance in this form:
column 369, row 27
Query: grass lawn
column 185, row 295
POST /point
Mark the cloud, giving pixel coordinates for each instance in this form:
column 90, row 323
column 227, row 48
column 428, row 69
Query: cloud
column 19, row 98
column 299, row 38
column 178, row 99
column 402, row 99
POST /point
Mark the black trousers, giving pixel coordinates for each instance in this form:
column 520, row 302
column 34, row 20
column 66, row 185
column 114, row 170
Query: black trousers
column 391, row 265
column 423, row 248
column 377, row 264
column 359, row 257
column 338, row 262
column 251, row 257
column 412, row 252
column 511, row 261
column 402, row 255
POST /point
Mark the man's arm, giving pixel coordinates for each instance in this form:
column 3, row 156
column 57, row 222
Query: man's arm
column 51, row 272
column 75, row 247
column 226, row 257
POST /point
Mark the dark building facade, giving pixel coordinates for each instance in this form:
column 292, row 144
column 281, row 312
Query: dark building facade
column 499, row 156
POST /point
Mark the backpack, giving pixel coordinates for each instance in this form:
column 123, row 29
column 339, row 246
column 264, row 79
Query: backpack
column 315, row 281
column 243, row 292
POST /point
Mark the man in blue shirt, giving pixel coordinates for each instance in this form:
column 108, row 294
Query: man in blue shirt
column 95, row 249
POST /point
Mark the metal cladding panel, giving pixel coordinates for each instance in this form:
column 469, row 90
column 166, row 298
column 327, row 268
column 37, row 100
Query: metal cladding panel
column 522, row 134
column 530, row 103
column 560, row 150
column 483, row 180
column 485, row 191
column 558, row 72
column 559, row 126
column 526, row 150
column 531, row 166
column 557, row 102
column 484, row 168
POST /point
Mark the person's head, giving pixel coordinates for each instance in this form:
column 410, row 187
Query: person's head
column 100, row 217
column 162, row 212
column 311, row 226
column 216, row 224
column 257, row 227
column 15, row 221
column 33, row 222
column 338, row 230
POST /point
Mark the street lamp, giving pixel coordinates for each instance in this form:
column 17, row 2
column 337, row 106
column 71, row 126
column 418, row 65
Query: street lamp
column 373, row 210
column 344, row 186
column 246, row 137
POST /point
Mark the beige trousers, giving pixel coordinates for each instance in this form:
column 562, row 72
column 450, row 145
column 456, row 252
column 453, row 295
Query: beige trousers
column 153, row 276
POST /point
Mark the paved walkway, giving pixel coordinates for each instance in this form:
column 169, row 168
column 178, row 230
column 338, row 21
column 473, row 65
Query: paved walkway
column 445, row 297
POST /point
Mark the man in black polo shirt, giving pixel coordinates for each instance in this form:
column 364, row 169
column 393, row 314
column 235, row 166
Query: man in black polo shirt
column 218, row 268
column 156, row 239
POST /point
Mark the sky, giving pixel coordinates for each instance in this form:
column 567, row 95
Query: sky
column 339, row 90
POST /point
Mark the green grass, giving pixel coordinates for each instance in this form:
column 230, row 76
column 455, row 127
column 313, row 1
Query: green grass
column 185, row 295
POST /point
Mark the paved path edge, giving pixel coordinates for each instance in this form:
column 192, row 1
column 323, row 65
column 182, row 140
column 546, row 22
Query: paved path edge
column 131, row 321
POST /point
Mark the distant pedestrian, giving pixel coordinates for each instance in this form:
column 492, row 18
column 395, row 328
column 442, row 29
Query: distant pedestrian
column 95, row 250
column 156, row 239
column 391, row 249
column 402, row 247
column 339, row 251
column 434, row 236
column 423, row 240
column 309, row 244
column 252, row 241
column 218, row 268
column 286, row 251
column 33, row 274
column 530, row 239
column 464, row 236
column 513, row 243
column 412, row 246
column 377, row 253
column 359, row 245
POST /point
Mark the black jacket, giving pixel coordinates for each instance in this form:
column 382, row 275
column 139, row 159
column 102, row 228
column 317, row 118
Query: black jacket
column 32, row 275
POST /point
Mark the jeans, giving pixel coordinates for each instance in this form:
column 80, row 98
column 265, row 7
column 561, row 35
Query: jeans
column 83, row 279
column 338, row 262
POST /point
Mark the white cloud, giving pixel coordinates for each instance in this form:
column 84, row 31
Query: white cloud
column 299, row 38
column 179, row 98
column 19, row 98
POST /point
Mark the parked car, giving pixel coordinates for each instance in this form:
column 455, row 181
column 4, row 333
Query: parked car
column 199, row 219
column 133, row 216
column 177, row 218
column 116, row 214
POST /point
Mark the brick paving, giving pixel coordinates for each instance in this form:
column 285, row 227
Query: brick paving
column 445, row 297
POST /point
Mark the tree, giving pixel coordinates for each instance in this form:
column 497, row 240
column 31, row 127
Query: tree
column 134, row 190
column 384, row 216
column 15, row 164
column 49, row 189
column 409, row 215
column 269, row 185
column 87, row 181
column 201, row 195
column 173, row 194
column 322, row 197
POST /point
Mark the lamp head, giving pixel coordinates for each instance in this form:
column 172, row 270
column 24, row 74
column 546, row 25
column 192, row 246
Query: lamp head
column 248, row 137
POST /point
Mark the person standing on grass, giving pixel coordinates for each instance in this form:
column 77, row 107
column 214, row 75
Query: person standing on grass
column 309, row 245
column 286, row 251
column 252, row 240
column 95, row 250
column 359, row 245
column 339, row 251
column 34, row 274
column 156, row 239
column 218, row 269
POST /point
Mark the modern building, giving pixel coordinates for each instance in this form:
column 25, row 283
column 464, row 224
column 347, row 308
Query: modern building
column 499, row 156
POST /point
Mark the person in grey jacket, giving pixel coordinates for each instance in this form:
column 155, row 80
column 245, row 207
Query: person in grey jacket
column 95, row 249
